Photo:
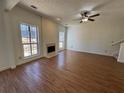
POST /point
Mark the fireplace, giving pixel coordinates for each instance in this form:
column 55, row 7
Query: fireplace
column 50, row 49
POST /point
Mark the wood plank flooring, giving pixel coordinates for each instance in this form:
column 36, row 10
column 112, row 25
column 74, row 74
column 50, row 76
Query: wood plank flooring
column 69, row 72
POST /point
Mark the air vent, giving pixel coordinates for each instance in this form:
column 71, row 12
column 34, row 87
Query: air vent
column 34, row 7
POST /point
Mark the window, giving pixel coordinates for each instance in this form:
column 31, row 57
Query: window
column 29, row 36
column 61, row 40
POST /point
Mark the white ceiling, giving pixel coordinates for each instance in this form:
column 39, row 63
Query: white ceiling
column 68, row 10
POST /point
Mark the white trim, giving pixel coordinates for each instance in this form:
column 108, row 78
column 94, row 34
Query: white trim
column 13, row 67
column 28, row 60
column 121, row 54
column 91, row 53
column 4, row 68
column 121, row 61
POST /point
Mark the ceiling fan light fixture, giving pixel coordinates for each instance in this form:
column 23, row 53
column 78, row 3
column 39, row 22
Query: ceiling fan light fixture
column 85, row 19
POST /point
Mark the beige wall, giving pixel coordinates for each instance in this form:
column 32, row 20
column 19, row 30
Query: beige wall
column 10, row 49
column 50, row 34
column 48, row 30
column 95, row 37
column 4, row 64
column 18, row 16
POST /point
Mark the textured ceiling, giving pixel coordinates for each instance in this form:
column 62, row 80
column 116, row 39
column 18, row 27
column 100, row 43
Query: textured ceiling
column 68, row 10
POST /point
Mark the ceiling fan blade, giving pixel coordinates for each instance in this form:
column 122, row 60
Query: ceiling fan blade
column 94, row 15
column 91, row 19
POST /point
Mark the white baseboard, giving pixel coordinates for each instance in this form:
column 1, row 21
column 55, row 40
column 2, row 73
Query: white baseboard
column 91, row 52
column 120, row 61
column 13, row 67
column 4, row 68
column 28, row 60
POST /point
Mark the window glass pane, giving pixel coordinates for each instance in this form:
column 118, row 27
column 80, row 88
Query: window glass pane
column 24, row 27
column 33, row 28
column 61, row 36
column 33, row 34
column 61, row 45
column 27, row 50
column 34, row 49
column 25, row 34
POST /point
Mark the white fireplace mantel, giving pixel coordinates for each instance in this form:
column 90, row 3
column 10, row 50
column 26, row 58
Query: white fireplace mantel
column 52, row 54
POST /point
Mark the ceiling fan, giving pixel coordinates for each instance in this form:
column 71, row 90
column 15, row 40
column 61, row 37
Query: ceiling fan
column 87, row 14
column 86, row 17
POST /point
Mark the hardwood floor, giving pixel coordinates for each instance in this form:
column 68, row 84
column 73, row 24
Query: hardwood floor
column 69, row 72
